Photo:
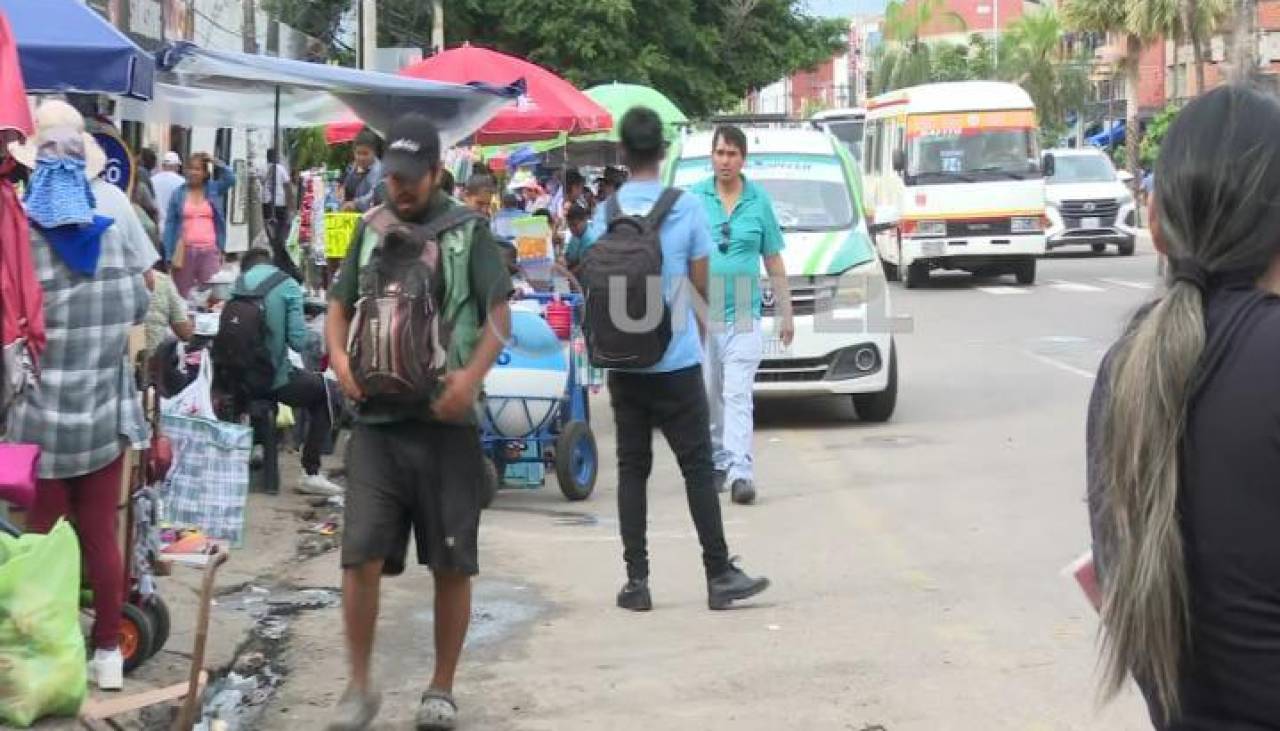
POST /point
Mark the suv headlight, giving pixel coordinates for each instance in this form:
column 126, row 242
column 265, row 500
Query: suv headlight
column 1025, row 224
column 1125, row 200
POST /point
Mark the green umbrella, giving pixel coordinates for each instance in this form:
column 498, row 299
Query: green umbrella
column 619, row 98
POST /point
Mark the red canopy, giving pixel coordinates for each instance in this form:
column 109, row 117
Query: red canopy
column 551, row 106
column 15, row 115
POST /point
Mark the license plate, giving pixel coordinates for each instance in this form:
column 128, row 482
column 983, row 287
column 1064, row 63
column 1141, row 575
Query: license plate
column 934, row 248
column 1091, row 223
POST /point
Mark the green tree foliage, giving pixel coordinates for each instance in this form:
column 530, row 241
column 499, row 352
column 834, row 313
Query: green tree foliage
column 703, row 54
column 1156, row 130
column 1033, row 56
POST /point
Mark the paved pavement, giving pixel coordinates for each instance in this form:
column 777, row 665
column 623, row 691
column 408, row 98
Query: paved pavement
column 916, row 565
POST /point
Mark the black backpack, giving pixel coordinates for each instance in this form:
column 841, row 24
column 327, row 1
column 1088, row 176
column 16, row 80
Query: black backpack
column 242, row 365
column 628, row 256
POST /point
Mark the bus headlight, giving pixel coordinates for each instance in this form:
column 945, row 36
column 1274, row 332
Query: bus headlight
column 1025, row 225
column 930, row 228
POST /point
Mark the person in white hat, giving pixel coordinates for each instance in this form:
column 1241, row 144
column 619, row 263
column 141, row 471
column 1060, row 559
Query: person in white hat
column 165, row 182
column 85, row 410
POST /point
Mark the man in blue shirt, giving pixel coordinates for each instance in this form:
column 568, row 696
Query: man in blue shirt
column 669, row 395
column 747, row 232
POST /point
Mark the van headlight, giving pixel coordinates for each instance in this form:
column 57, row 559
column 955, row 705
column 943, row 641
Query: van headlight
column 1025, row 225
column 851, row 289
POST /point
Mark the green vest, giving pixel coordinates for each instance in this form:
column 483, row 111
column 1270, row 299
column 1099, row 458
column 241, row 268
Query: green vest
column 460, row 311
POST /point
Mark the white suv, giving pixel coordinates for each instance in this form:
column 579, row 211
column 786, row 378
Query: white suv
column 1088, row 203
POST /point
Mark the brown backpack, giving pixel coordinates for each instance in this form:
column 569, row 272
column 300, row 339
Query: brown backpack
column 399, row 342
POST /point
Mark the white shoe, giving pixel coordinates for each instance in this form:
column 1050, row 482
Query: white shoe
column 319, row 485
column 107, row 669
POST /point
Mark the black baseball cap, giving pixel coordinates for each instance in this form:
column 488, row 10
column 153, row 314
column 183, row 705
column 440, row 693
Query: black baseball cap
column 413, row 147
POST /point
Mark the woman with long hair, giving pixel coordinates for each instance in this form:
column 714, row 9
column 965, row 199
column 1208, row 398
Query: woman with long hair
column 195, row 230
column 1184, row 435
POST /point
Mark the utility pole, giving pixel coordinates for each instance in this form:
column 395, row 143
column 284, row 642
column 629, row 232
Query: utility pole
column 253, row 207
column 437, row 26
column 368, row 41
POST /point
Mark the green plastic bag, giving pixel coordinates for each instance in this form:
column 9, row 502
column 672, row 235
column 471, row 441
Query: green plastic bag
column 42, row 655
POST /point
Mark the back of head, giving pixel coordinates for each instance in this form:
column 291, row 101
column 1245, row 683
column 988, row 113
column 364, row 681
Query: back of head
column 148, row 158
column 577, row 212
column 480, row 183
column 272, row 157
column 1217, row 215
column 642, row 141
column 253, row 258
column 573, row 179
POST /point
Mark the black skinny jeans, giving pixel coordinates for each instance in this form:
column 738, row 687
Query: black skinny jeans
column 306, row 390
column 676, row 403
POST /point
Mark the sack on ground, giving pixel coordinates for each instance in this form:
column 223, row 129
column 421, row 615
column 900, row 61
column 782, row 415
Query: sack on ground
column 208, row 483
column 626, row 263
column 42, row 651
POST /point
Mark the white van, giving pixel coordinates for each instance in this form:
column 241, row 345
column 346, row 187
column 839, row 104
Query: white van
column 846, row 125
column 843, row 342
column 954, row 180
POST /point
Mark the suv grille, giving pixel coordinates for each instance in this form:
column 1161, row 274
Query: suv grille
column 1105, row 209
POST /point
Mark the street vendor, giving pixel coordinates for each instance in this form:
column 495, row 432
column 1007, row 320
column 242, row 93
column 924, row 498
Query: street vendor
column 362, row 185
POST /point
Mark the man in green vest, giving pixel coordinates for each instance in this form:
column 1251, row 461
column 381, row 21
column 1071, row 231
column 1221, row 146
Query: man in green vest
column 411, row 464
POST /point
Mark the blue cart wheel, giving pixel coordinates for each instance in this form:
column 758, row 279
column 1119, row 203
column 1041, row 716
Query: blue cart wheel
column 577, row 461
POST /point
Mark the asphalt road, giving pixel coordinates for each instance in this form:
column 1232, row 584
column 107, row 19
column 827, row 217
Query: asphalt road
column 917, row 565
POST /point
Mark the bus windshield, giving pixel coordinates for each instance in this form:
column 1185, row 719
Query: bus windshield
column 972, row 147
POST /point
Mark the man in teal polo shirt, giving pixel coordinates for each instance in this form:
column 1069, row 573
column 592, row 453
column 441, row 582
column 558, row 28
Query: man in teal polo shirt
column 746, row 231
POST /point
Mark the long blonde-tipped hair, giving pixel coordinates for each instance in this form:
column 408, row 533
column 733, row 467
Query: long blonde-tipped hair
column 1217, row 209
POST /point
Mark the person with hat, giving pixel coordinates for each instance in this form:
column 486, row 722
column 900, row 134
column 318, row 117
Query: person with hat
column 362, row 184
column 416, row 465
column 195, row 231
column 669, row 395
column 85, row 410
column 165, row 183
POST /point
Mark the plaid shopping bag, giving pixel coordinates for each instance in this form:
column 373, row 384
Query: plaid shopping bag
column 208, row 484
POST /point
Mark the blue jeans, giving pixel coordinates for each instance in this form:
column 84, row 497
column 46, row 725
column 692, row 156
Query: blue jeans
column 733, row 357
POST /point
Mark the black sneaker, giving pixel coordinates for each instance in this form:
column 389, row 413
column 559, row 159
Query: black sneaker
column 718, row 479
column 635, row 596
column 743, row 492
column 732, row 585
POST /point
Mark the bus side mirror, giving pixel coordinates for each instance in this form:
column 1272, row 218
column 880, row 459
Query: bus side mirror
column 899, row 161
column 886, row 219
column 1048, row 166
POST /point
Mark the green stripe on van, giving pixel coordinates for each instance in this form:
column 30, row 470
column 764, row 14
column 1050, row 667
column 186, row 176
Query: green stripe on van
column 820, row 252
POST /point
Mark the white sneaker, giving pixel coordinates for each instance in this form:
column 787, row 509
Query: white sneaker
column 107, row 669
column 319, row 485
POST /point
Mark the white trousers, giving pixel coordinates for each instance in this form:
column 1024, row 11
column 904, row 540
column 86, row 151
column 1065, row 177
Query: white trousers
column 733, row 357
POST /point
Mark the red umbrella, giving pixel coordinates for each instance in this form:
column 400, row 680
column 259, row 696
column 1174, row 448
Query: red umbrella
column 15, row 115
column 550, row 107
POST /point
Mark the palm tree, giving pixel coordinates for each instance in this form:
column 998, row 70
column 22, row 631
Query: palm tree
column 909, row 61
column 1139, row 22
column 904, row 21
column 1036, row 59
column 1200, row 20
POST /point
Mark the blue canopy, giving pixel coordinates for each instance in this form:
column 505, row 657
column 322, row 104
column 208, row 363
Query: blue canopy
column 1104, row 138
column 206, row 88
column 64, row 46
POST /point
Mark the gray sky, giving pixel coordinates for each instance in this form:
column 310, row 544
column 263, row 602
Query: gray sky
column 844, row 8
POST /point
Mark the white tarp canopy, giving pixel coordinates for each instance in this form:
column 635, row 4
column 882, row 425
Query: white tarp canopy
column 204, row 88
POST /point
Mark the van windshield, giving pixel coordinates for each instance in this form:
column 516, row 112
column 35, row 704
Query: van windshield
column 809, row 192
column 969, row 147
column 848, row 131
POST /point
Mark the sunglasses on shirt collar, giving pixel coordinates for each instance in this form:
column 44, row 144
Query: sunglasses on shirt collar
column 724, row 238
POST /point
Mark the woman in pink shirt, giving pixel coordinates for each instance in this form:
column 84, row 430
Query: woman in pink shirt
column 195, row 227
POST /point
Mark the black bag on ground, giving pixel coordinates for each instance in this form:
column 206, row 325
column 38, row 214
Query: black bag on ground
column 626, row 262
column 242, row 365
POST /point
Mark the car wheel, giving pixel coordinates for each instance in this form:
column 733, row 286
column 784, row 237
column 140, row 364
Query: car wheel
column 1099, row 248
column 1025, row 271
column 877, row 408
column 1128, row 247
